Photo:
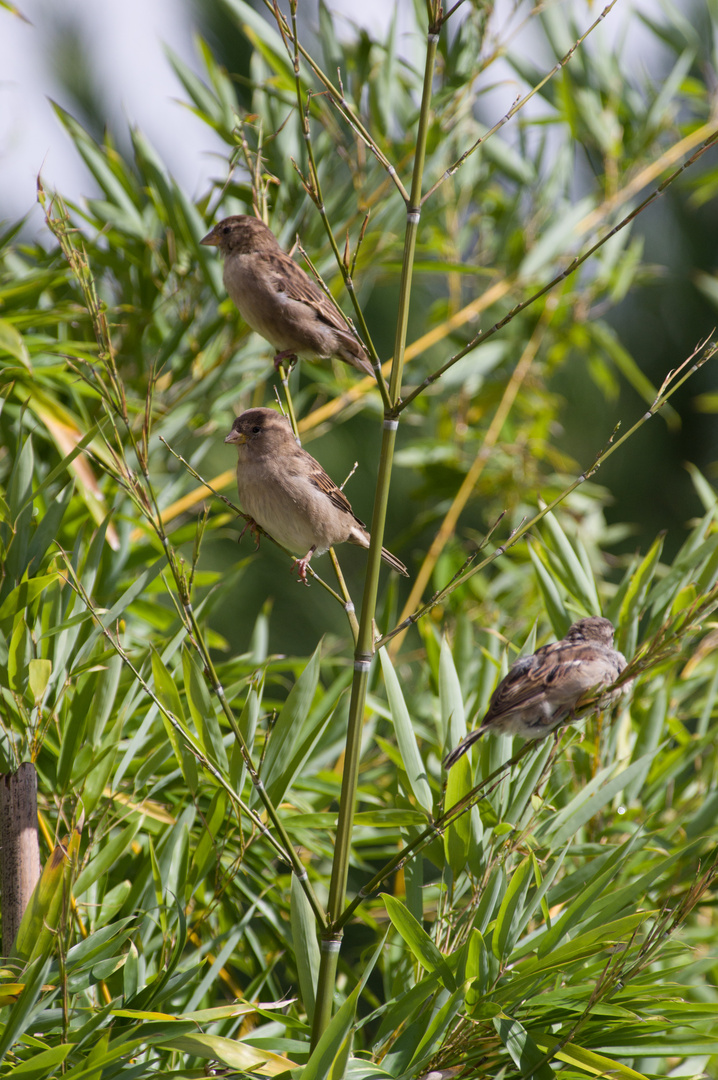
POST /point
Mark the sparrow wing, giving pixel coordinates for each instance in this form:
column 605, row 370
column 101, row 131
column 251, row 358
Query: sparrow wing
column 555, row 675
column 290, row 279
column 335, row 494
column 520, row 689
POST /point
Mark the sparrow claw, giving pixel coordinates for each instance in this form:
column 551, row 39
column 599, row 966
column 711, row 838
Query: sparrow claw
column 286, row 355
column 253, row 527
column 301, row 565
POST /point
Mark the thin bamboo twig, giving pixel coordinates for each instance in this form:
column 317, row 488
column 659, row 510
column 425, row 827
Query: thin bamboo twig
column 365, row 337
column 518, row 103
column 314, row 190
column 199, row 643
column 284, row 377
column 331, row 938
column 186, row 737
column 638, row 665
column 493, row 295
column 348, row 602
column 339, row 100
column 668, row 388
column 448, row 525
column 433, row 830
column 483, row 336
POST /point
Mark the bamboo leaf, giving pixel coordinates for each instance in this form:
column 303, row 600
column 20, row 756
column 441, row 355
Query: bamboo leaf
column 555, row 608
column 419, row 941
column 508, row 917
column 233, row 1053
column 331, row 1047
column 306, row 948
column 453, row 719
column 459, row 835
column 593, row 798
column 42, row 914
column 21, row 1014
column 202, row 712
column 525, row 1054
column 291, row 719
column 405, row 737
column 43, row 1063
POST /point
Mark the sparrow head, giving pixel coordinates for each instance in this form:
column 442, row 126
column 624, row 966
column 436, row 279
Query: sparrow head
column 592, row 629
column 263, row 430
column 241, row 235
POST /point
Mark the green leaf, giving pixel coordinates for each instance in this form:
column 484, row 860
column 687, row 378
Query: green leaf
column 525, row 1054
column 43, row 1064
column 331, row 1048
column 207, row 849
column 419, row 941
column 11, row 342
column 507, row 926
column 405, row 737
column 579, row 580
column 556, row 241
column 25, row 594
column 306, row 947
column 592, row 798
column 331, row 706
column 203, row 715
column 231, row 1052
column 42, row 914
column 276, row 769
column 459, row 835
column 634, row 598
column 21, row 1014
column 584, row 1060
column 453, row 719
column 118, row 608
column 373, row 819
column 555, row 608
column 168, row 695
column 106, row 858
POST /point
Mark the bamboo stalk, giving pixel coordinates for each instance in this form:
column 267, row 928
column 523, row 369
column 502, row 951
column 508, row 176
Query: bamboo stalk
column 331, row 938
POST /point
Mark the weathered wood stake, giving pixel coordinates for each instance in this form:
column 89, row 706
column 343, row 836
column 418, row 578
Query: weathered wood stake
column 19, row 848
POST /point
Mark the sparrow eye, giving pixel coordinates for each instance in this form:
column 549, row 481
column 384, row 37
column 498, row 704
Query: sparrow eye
column 225, row 230
column 256, row 430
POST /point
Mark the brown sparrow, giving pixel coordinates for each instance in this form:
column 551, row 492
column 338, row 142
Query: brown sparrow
column 286, row 491
column 277, row 299
column 541, row 690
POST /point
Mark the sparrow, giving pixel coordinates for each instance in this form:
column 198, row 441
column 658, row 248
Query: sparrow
column 541, row 690
column 277, row 299
column 286, row 491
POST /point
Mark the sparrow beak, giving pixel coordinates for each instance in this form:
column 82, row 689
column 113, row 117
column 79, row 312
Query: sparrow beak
column 236, row 437
column 210, row 239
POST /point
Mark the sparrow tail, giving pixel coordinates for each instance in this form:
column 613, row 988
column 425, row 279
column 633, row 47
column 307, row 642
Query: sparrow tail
column 354, row 355
column 394, row 563
column 453, row 756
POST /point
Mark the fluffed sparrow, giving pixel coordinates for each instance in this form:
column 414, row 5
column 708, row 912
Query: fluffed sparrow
column 541, row 690
column 286, row 491
column 277, row 299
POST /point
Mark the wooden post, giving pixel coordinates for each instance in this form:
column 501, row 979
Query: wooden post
column 19, row 848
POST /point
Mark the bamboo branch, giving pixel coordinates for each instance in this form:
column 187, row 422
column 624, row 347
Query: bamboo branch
column 483, row 336
column 670, row 385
